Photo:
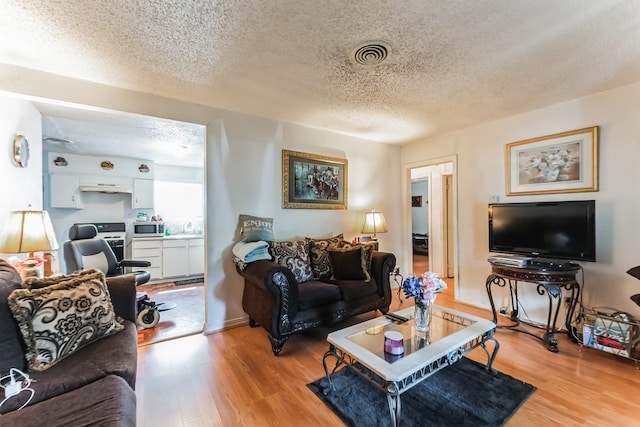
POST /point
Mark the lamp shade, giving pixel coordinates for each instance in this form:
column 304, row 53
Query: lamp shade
column 28, row 231
column 374, row 222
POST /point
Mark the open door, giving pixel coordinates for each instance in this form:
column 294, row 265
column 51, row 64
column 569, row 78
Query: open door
column 449, row 225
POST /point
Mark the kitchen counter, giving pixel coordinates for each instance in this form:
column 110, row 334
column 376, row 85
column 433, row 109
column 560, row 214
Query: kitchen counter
column 185, row 236
column 171, row 237
column 178, row 255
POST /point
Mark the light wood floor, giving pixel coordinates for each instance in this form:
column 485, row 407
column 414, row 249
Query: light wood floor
column 185, row 319
column 420, row 263
column 231, row 378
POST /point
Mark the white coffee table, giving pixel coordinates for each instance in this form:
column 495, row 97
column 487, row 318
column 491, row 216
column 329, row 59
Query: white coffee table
column 452, row 335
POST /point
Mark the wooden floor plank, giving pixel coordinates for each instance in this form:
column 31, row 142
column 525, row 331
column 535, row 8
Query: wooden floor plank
column 231, row 378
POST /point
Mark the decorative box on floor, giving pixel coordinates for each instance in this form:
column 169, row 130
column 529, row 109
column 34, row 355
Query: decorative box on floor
column 612, row 331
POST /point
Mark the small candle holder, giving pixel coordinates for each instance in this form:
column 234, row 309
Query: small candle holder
column 393, row 343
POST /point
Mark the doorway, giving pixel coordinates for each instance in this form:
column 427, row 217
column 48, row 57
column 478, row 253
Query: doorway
column 449, row 225
column 433, row 223
column 182, row 207
column 420, row 224
column 177, row 150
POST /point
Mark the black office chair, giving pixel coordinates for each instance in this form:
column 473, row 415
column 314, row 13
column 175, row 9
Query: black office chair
column 83, row 250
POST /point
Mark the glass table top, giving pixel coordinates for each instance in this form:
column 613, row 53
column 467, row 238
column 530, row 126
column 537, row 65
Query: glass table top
column 442, row 325
column 449, row 330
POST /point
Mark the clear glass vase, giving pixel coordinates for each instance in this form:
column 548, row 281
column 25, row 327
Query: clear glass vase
column 422, row 315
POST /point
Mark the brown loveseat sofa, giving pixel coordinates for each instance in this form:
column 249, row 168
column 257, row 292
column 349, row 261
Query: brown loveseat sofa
column 274, row 299
column 92, row 386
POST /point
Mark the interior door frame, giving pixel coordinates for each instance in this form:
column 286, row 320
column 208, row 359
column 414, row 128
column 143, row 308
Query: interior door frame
column 429, row 206
column 407, row 264
column 448, row 225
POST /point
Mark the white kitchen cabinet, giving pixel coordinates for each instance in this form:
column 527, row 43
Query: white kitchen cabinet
column 149, row 250
column 171, row 257
column 175, row 257
column 142, row 196
column 64, row 191
column 196, row 257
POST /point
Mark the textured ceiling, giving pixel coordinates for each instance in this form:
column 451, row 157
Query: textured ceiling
column 451, row 64
column 97, row 132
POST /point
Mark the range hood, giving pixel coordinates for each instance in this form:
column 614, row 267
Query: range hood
column 107, row 188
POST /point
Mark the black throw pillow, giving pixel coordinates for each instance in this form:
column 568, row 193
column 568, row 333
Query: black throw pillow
column 347, row 264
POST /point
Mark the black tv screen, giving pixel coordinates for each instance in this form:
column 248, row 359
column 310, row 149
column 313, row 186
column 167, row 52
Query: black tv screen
column 564, row 230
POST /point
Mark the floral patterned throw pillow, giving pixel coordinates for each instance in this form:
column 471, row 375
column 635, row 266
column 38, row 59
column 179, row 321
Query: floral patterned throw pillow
column 60, row 319
column 319, row 255
column 294, row 255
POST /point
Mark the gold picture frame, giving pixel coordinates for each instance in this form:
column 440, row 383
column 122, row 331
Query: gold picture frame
column 310, row 181
column 564, row 162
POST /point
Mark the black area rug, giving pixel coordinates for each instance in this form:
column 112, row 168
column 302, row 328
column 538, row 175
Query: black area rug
column 464, row 394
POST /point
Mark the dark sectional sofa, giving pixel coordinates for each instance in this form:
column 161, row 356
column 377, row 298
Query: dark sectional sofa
column 275, row 300
column 93, row 386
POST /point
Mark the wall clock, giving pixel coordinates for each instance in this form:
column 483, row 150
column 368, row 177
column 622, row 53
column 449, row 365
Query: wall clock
column 21, row 151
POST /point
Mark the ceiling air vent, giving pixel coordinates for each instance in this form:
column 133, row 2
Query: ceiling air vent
column 371, row 53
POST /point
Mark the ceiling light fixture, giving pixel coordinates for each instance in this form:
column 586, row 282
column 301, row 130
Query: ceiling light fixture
column 371, row 53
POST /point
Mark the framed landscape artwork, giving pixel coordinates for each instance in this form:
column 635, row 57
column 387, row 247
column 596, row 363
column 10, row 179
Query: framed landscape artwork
column 561, row 163
column 311, row 181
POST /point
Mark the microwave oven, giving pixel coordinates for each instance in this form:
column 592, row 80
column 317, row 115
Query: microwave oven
column 148, row 229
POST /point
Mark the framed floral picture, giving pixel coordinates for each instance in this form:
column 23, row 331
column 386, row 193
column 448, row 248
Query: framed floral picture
column 561, row 163
column 311, row 181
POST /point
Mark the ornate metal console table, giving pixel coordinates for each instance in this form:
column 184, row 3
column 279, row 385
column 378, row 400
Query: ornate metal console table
column 550, row 282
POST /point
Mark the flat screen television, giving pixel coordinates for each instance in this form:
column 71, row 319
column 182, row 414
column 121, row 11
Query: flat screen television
column 564, row 230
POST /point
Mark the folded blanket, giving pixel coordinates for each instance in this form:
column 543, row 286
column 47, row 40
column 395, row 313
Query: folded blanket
column 251, row 251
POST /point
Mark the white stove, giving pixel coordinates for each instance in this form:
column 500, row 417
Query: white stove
column 114, row 233
column 111, row 230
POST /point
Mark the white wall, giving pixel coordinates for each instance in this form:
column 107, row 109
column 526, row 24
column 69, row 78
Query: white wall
column 420, row 214
column 243, row 175
column 19, row 186
column 481, row 174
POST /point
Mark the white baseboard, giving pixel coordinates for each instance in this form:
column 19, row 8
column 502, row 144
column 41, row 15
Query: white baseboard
column 228, row 324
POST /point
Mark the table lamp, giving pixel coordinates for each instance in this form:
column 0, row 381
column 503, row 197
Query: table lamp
column 374, row 222
column 28, row 231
